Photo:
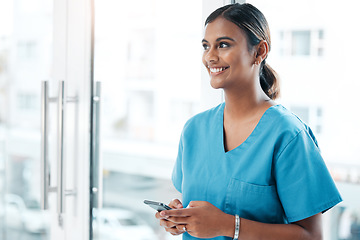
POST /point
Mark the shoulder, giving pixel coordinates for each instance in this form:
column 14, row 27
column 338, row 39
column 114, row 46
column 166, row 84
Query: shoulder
column 204, row 119
column 289, row 126
column 287, row 121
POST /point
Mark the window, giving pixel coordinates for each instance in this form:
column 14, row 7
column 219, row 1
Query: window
column 319, row 82
column 311, row 115
column 27, row 101
column 148, row 59
column 27, row 50
column 301, row 43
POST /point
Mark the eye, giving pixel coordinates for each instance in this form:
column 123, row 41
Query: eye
column 224, row 45
column 205, row 46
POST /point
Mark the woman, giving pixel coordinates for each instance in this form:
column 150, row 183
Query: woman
column 248, row 168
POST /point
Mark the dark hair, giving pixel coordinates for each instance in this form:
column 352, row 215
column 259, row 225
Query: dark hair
column 253, row 23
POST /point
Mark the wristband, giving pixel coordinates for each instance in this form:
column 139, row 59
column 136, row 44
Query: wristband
column 237, row 227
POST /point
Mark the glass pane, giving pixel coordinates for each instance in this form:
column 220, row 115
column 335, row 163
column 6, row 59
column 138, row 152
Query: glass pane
column 319, row 82
column 148, row 59
column 25, row 60
column 300, row 43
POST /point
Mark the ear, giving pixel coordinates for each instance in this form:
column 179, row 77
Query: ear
column 262, row 51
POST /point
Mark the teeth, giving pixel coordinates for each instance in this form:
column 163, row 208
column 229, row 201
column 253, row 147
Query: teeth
column 215, row 70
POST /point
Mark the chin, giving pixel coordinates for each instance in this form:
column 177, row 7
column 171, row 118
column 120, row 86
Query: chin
column 216, row 84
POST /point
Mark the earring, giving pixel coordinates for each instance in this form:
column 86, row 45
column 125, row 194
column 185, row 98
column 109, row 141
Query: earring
column 256, row 63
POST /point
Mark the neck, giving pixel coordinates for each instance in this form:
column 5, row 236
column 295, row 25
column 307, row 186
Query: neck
column 241, row 106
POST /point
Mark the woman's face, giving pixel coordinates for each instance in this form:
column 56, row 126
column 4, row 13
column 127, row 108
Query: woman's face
column 226, row 55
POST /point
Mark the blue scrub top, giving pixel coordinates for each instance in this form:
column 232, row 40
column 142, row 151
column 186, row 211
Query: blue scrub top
column 276, row 175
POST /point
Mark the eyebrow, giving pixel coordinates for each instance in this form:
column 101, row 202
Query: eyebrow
column 220, row 38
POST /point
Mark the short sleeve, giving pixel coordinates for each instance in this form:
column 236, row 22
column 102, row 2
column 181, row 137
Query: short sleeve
column 177, row 174
column 303, row 181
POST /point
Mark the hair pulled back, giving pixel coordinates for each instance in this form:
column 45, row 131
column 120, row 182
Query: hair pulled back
column 253, row 23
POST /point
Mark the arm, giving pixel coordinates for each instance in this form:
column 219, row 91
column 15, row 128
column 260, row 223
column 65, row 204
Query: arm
column 204, row 220
column 309, row 228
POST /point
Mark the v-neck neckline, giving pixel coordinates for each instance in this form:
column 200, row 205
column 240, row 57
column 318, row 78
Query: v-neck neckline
column 252, row 134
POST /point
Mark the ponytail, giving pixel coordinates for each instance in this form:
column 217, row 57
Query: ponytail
column 269, row 81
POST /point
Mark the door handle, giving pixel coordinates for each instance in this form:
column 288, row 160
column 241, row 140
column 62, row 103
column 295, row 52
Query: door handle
column 44, row 172
column 44, row 165
column 60, row 150
column 96, row 163
column 45, row 169
column 61, row 191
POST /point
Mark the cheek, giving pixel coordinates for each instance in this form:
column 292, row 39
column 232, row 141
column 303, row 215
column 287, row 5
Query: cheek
column 231, row 59
column 204, row 61
column 240, row 61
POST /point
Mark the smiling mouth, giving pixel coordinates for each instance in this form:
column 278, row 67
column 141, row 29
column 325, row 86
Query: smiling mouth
column 217, row 70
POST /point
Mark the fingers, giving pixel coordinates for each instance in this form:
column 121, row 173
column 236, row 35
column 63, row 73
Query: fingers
column 167, row 224
column 179, row 229
column 175, row 203
column 182, row 228
column 179, row 220
column 171, row 227
column 158, row 216
column 184, row 212
column 174, row 231
column 170, row 223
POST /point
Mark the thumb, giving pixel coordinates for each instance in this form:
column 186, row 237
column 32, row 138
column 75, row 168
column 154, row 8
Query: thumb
column 175, row 203
column 197, row 203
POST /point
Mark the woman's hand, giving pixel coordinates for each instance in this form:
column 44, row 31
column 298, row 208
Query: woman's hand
column 171, row 226
column 201, row 219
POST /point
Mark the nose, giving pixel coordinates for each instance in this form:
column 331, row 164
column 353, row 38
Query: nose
column 211, row 55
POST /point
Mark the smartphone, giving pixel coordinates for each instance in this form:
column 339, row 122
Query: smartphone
column 158, row 206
